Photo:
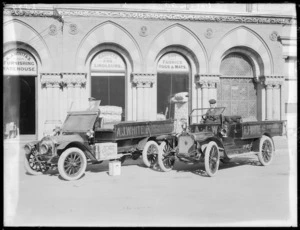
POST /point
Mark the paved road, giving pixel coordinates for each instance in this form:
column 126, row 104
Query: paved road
column 242, row 193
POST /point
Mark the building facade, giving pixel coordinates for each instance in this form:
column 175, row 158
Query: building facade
column 57, row 56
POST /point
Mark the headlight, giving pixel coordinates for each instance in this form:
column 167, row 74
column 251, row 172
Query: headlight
column 28, row 148
column 90, row 133
column 44, row 148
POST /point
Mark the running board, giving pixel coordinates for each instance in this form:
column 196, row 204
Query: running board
column 242, row 154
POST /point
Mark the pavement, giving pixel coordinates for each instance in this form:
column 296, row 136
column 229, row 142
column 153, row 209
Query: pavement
column 241, row 194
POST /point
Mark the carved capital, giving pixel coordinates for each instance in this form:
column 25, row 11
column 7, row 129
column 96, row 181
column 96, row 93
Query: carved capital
column 208, row 80
column 74, row 80
column 143, row 80
column 51, row 80
column 272, row 80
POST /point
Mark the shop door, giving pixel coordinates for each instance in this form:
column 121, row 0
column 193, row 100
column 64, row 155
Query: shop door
column 19, row 103
column 168, row 85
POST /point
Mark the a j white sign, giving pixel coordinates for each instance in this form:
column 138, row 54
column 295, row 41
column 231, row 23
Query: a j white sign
column 19, row 62
column 107, row 62
column 172, row 62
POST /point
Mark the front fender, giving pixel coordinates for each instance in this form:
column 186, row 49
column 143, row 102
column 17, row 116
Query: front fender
column 202, row 136
column 68, row 144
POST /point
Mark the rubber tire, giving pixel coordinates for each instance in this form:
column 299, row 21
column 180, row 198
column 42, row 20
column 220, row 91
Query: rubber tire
column 62, row 159
column 29, row 169
column 145, row 155
column 206, row 160
column 260, row 156
column 160, row 157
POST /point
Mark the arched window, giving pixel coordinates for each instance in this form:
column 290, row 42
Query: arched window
column 237, row 89
column 108, row 79
column 172, row 78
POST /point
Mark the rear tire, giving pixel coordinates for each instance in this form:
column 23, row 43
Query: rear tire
column 150, row 153
column 212, row 159
column 266, row 150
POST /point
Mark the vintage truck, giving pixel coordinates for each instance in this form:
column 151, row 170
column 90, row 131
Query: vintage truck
column 213, row 138
column 84, row 138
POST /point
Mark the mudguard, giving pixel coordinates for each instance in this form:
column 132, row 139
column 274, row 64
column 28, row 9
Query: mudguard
column 142, row 143
column 202, row 136
column 79, row 145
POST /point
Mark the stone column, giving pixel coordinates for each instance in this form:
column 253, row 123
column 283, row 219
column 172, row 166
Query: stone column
column 52, row 83
column 144, row 83
column 273, row 97
column 269, row 102
column 208, row 84
column 276, row 102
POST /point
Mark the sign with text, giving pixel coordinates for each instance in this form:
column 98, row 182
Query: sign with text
column 18, row 62
column 107, row 62
column 172, row 62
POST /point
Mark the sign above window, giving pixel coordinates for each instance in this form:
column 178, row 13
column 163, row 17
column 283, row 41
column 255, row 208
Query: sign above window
column 172, row 62
column 18, row 62
column 107, row 62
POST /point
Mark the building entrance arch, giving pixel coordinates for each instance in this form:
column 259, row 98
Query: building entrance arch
column 20, row 72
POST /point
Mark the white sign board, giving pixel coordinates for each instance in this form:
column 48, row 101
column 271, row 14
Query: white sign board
column 107, row 62
column 172, row 62
column 18, row 62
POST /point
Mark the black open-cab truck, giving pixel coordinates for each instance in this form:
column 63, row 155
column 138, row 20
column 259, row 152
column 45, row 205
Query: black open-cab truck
column 85, row 138
column 213, row 138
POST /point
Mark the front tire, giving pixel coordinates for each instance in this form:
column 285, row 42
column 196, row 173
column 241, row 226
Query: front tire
column 165, row 160
column 150, row 153
column 72, row 164
column 33, row 166
column 266, row 150
column 212, row 159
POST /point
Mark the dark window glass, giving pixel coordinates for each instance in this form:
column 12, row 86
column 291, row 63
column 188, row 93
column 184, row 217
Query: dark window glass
column 110, row 90
column 168, row 84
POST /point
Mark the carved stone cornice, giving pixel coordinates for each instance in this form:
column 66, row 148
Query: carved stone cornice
column 273, row 80
column 143, row 80
column 51, row 80
column 139, row 14
column 74, row 79
column 208, row 80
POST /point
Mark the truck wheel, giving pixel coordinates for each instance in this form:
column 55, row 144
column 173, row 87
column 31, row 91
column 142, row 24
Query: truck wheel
column 33, row 166
column 150, row 153
column 212, row 159
column 266, row 150
column 72, row 164
column 165, row 160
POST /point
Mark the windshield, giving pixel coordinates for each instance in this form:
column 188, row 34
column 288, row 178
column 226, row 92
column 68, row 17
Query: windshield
column 196, row 116
column 79, row 122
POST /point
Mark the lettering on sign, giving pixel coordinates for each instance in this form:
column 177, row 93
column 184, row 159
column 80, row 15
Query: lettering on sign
column 172, row 62
column 19, row 62
column 107, row 61
column 128, row 131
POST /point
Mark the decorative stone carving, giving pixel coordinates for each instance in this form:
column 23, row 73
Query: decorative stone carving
column 143, row 31
column 52, row 30
column 74, row 79
column 274, row 36
column 51, row 80
column 208, row 80
column 73, row 29
column 148, row 15
column 272, row 80
column 143, row 80
column 209, row 33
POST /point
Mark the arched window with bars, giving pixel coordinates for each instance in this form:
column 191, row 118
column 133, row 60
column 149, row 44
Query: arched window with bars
column 237, row 89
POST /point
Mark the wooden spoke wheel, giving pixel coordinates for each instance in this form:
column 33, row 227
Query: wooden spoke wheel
column 150, row 153
column 33, row 165
column 266, row 150
column 72, row 164
column 212, row 159
column 165, row 159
